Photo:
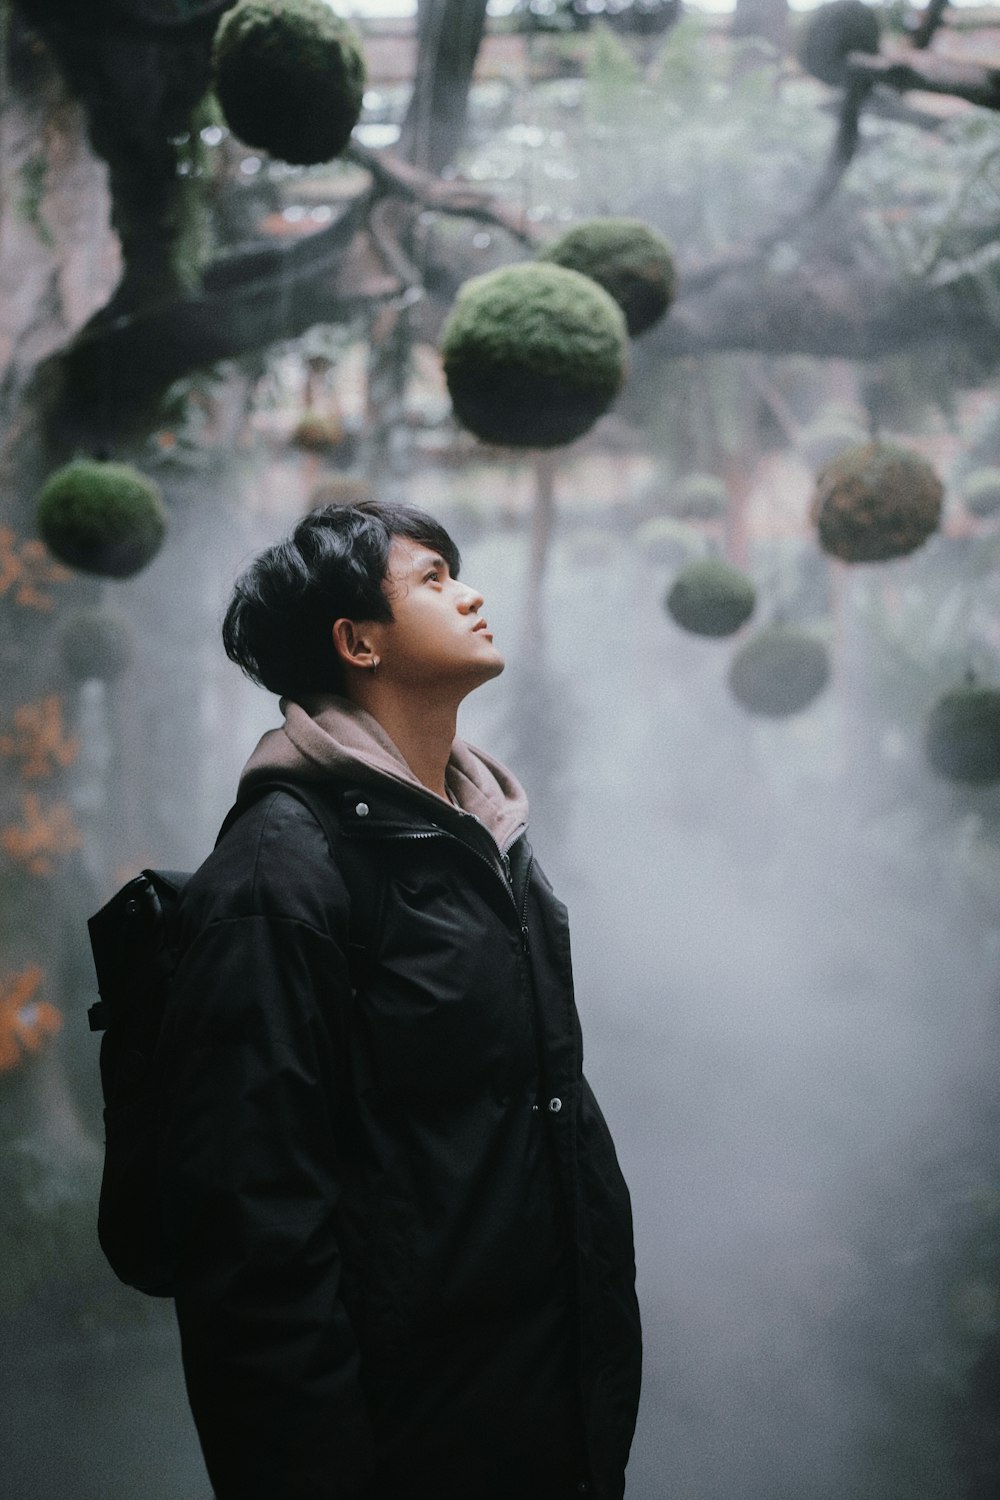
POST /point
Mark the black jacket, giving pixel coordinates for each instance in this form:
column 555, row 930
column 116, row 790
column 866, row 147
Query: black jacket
column 402, row 1241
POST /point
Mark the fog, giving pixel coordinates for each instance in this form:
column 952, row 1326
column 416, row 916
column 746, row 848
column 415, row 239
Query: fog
column 790, row 1018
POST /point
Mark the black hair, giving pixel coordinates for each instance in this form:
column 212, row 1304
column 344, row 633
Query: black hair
column 277, row 628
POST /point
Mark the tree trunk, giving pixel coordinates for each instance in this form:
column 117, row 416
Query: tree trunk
column 449, row 33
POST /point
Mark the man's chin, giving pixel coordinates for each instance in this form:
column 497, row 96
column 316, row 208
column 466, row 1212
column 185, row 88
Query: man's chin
column 492, row 667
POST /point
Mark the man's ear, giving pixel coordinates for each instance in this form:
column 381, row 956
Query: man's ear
column 352, row 644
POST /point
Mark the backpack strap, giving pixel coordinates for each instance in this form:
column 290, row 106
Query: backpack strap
column 318, row 801
column 310, row 796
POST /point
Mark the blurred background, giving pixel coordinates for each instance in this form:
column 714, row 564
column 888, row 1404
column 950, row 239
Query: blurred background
column 782, row 874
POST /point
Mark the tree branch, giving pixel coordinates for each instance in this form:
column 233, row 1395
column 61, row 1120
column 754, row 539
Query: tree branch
column 394, row 175
column 978, row 83
column 119, row 365
column 929, row 23
column 826, row 310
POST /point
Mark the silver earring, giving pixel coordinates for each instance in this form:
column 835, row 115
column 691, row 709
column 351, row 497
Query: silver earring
column 374, row 665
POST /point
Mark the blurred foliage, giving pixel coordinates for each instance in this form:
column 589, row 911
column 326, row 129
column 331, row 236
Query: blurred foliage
column 932, row 202
column 642, row 17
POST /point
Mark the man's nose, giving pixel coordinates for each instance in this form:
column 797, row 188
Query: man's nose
column 472, row 602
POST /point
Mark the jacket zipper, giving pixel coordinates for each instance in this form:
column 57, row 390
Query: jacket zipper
column 506, row 877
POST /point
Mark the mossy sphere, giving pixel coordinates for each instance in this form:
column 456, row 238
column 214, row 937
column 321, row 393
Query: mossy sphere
column 96, row 644
column 981, row 492
column 699, row 497
column 876, row 501
column 669, row 543
column 102, row 518
column 779, row 671
column 828, row 437
column 533, row 355
column 831, row 33
column 316, row 431
column 963, row 734
column 633, row 263
column 711, row 597
column 290, row 78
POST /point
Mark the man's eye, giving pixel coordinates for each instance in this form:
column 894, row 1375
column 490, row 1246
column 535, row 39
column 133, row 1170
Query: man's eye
column 432, row 574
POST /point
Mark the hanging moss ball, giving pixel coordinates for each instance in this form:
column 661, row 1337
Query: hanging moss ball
column 533, row 355
column 102, row 518
column 96, row 644
column 711, row 597
column 981, row 492
column 876, row 501
column 633, row 263
column 699, row 497
column 317, row 431
column 834, row 31
column 828, row 437
column 779, row 671
column 963, row 734
column 290, row 78
column 666, row 542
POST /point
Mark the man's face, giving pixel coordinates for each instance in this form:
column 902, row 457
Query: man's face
column 438, row 635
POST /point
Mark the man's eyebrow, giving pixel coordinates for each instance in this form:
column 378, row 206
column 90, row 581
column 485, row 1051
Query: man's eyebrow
column 430, row 560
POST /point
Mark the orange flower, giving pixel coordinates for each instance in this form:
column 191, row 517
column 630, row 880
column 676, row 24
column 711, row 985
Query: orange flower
column 24, row 1021
column 24, row 568
column 43, row 834
column 40, row 740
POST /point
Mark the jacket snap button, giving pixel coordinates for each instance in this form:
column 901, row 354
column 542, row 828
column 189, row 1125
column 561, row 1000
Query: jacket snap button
column 362, row 809
column 534, row 1109
column 555, row 1105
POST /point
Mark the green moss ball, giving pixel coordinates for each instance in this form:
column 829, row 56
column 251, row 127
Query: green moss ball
column 981, row 492
column 633, row 263
column 710, row 597
column 666, row 542
column 831, row 33
column 963, row 734
column 317, row 432
column 290, row 78
column 876, row 501
column 699, row 497
column 533, row 355
column 102, row 518
column 828, row 437
column 779, row 671
column 96, row 644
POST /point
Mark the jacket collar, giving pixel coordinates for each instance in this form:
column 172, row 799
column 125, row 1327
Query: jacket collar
column 328, row 735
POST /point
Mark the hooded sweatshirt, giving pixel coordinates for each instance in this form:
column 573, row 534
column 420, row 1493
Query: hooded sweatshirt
column 330, row 735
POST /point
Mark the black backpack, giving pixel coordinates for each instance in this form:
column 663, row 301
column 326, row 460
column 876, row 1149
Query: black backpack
column 134, row 943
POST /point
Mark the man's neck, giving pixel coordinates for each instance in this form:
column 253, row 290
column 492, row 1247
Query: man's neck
column 423, row 734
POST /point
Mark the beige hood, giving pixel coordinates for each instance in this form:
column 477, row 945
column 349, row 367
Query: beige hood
column 331, row 735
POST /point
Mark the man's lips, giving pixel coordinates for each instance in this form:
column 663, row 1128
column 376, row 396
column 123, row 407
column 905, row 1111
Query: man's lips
column 482, row 625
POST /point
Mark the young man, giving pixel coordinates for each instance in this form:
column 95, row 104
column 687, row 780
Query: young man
column 402, row 1243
